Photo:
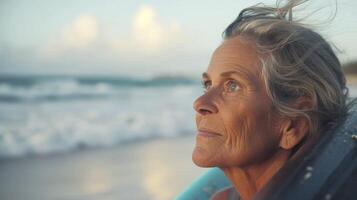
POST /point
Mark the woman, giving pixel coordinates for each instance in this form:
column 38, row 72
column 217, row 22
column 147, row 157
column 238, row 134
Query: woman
column 272, row 87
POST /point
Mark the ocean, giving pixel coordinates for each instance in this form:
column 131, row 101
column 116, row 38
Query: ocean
column 53, row 114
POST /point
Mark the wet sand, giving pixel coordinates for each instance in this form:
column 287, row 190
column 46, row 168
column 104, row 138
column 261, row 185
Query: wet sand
column 157, row 169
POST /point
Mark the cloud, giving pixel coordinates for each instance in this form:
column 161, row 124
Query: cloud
column 150, row 32
column 81, row 32
column 151, row 45
column 147, row 30
column 78, row 35
column 149, row 36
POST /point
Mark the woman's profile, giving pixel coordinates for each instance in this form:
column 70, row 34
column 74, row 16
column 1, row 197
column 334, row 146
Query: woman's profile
column 272, row 88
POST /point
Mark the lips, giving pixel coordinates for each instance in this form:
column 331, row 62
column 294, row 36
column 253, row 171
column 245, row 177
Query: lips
column 207, row 133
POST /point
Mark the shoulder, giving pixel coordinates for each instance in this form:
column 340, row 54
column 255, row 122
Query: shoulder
column 228, row 193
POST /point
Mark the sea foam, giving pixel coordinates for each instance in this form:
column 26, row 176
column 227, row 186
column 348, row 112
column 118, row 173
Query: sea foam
column 44, row 116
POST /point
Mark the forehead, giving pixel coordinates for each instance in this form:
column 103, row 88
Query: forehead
column 235, row 54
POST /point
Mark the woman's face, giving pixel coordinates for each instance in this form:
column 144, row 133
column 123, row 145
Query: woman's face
column 234, row 118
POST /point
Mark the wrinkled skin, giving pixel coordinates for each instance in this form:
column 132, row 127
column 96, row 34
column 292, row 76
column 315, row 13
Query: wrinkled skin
column 236, row 109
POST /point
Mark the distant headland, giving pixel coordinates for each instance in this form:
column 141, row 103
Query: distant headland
column 350, row 70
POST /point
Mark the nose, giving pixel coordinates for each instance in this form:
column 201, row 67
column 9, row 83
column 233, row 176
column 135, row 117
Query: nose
column 204, row 105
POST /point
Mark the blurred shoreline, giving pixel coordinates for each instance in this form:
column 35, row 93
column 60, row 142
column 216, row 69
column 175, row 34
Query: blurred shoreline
column 156, row 169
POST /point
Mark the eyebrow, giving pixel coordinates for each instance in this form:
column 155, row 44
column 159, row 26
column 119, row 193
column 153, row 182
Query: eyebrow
column 245, row 75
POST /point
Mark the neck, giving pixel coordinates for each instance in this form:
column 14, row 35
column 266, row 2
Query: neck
column 249, row 180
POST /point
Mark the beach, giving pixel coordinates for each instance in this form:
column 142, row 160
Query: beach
column 80, row 138
column 155, row 169
column 99, row 99
column 73, row 138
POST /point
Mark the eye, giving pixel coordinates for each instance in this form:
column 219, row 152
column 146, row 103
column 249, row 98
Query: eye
column 231, row 86
column 206, row 85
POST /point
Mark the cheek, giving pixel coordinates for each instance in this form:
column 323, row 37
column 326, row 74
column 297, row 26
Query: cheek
column 240, row 138
column 237, row 125
column 236, row 134
column 249, row 136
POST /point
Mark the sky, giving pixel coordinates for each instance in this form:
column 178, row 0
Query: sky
column 115, row 37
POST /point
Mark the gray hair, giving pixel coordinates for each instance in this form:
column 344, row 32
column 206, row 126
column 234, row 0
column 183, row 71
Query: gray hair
column 296, row 62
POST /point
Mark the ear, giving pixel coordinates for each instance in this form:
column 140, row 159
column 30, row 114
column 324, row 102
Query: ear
column 293, row 131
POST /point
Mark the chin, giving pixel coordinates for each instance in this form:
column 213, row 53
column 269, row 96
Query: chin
column 201, row 158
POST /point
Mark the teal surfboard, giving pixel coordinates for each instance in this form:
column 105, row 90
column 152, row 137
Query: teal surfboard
column 205, row 186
